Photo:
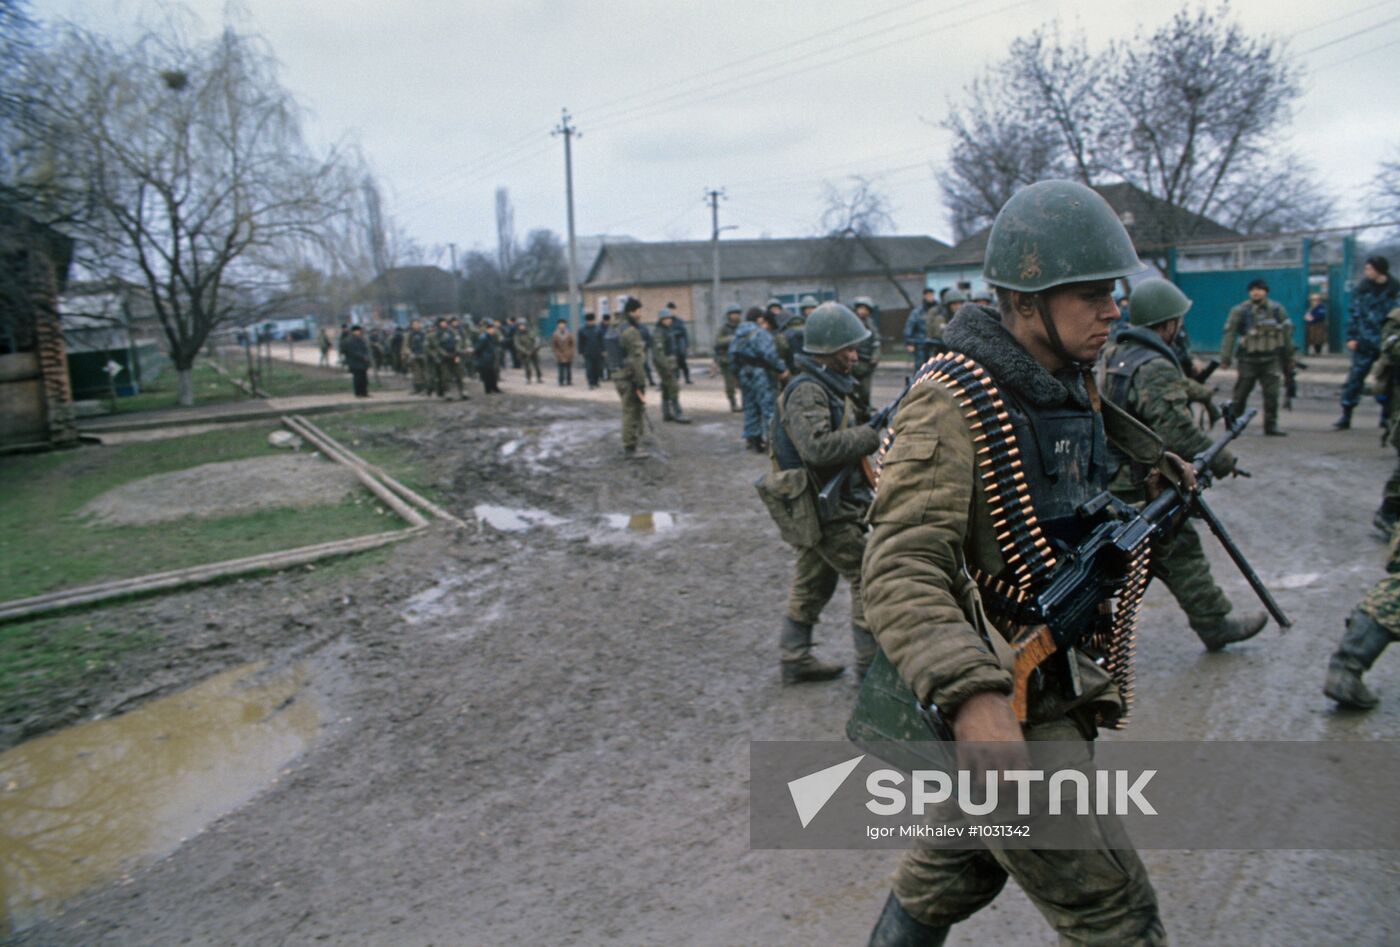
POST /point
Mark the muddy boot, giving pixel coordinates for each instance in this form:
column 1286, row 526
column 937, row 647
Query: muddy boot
column 1387, row 516
column 1363, row 642
column 676, row 412
column 798, row 663
column 751, row 443
column 1229, row 630
column 666, row 410
column 1344, row 422
column 633, row 453
column 734, row 405
column 865, row 648
column 896, row 928
column 1274, row 432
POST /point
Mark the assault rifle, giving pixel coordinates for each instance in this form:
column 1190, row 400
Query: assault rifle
column 1204, row 374
column 1099, row 567
column 829, row 497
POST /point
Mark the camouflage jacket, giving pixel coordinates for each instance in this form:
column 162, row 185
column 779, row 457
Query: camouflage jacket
column 723, row 337
column 869, row 350
column 1260, row 330
column 634, row 356
column 1385, row 374
column 442, row 345
column 931, row 520
column 526, row 341
column 663, row 349
column 1158, row 394
column 805, row 413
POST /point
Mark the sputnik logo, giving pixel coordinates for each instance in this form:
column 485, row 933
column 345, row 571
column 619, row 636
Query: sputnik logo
column 812, row 792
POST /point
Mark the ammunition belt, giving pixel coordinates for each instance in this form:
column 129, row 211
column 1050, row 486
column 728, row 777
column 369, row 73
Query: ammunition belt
column 1024, row 547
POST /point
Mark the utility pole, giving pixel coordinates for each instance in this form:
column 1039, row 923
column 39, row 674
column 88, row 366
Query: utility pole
column 570, row 132
column 456, row 285
column 712, row 197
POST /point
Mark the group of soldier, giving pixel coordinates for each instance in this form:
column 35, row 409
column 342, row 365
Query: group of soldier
column 928, row 545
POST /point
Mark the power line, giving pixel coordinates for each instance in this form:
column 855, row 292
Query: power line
column 1337, row 19
column 840, row 27
column 647, row 108
column 1341, row 39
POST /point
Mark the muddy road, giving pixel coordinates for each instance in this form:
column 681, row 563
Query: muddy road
column 539, row 733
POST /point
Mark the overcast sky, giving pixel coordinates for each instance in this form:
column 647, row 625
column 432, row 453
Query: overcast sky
column 765, row 98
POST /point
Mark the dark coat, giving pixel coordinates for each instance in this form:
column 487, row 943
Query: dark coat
column 487, row 347
column 590, row 341
column 1369, row 306
column 356, row 351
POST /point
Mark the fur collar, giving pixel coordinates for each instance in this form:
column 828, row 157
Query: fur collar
column 842, row 385
column 977, row 332
column 1144, row 336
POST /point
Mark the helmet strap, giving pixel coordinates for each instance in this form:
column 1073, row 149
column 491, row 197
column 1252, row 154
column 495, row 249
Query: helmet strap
column 1053, row 335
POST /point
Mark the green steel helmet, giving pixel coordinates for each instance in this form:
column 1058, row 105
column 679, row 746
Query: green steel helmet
column 1154, row 301
column 732, row 308
column 865, row 301
column 807, row 302
column 831, row 328
column 954, row 296
column 772, row 301
column 1057, row 232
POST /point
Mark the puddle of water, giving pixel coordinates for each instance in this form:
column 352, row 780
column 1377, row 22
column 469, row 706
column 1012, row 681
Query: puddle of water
column 82, row 806
column 641, row 522
column 511, row 520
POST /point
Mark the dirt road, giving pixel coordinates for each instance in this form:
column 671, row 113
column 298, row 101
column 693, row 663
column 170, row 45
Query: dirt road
column 541, row 735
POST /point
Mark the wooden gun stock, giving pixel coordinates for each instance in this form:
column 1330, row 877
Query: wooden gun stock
column 1032, row 648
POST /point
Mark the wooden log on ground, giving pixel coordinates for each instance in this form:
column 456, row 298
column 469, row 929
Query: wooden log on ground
column 322, row 438
column 196, row 575
column 357, row 467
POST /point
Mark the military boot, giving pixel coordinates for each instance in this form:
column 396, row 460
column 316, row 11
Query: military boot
column 676, row 412
column 754, row 444
column 1229, row 630
column 799, row 664
column 896, row 928
column 1344, row 422
column 666, row 410
column 1363, row 642
column 1387, row 516
column 865, row 648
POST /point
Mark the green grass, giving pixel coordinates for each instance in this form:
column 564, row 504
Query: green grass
column 359, row 430
column 209, row 388
column 283, row 380
column 46, row 545
column 48, row 657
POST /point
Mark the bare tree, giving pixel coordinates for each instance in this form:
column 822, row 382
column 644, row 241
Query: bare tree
column 852, row 216
column 179, row 165
column 1190, row 113
column 1385, row 188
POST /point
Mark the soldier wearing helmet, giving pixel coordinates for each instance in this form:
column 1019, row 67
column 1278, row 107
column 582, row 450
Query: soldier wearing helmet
column 1263, row 333
column 869, row 351
column 1144, row 377
column 819, row 431
column 938, row 547
column 733, row 315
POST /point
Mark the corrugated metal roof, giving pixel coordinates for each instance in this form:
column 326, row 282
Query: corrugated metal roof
column 690, row 261
column 1148, row 219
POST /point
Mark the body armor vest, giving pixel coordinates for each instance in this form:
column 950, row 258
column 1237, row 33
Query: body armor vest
column 1118, row 382
column 784, row 450
column 1262, row 330
column 417, row 342
column 447, row 341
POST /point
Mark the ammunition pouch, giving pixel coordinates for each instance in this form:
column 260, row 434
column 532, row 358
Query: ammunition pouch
column 791, row 502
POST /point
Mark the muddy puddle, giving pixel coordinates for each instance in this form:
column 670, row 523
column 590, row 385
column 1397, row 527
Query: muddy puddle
column 508, row 519
column 87, row 805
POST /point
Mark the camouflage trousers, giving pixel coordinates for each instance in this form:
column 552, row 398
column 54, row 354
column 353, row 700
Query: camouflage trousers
column 1392, row 484
column 819, row 567
column 418, row 365
column 758, row 401
column 1190, row 582
column 531, row 362
column 632, row 409
column 449, row 372
column 1098, row 897
column 731, row 384
column 670, row 387
column 1265, row 371
column 1383, row 604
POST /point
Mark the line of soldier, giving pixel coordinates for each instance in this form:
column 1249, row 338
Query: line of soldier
column 907, row 550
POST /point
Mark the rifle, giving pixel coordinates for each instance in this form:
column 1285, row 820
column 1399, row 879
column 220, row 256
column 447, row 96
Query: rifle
column 829, row 497
column 1204, row 374
column 1063, row 613
column 1290, row 383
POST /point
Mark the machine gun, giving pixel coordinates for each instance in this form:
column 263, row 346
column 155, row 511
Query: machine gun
column 1061, row 615
column 829, row 496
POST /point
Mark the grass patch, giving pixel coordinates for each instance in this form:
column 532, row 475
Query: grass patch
column 283, row 380
column 48, row 657
column 46, row 545
column 209, row 388
column 363, row 432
